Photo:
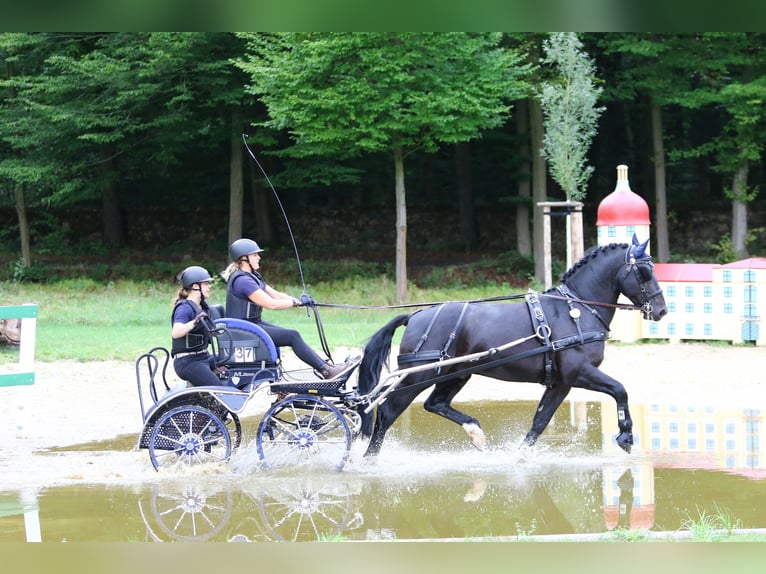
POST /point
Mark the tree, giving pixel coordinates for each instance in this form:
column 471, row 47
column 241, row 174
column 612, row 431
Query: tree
column 220, row 100
column 22, row 166
column 651, row 67
column 728, row 76
column 571, row 115
column 344, row 94
column 95, row 111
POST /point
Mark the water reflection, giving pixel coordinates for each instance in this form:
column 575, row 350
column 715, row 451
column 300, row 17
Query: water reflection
column 688, row 461
column 187, row 512
column 330, row 508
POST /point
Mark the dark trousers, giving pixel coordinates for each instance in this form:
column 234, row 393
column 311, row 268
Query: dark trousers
column 291, row 338
column 197, row 370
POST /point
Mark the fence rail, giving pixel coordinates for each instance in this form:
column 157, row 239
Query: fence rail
column 25, row 374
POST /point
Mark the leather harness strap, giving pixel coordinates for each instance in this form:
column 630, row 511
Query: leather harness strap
column 433, row 355
column 543, row 330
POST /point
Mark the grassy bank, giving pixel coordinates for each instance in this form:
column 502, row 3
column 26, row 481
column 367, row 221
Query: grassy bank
column 86, row 320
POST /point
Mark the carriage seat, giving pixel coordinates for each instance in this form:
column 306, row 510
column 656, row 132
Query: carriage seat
column 251, row 343
column 253, row 358
column 217, row 312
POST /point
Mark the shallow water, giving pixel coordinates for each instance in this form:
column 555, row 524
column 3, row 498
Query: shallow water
column 689, row 461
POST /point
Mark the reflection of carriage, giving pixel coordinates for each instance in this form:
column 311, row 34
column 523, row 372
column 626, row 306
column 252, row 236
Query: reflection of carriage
column 311, row 418
column 292, row 510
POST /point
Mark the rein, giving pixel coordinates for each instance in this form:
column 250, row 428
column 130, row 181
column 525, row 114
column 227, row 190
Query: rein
column 411, row 305
column 623, row 306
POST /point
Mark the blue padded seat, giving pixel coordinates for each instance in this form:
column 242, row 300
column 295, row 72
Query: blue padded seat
column 251, row 336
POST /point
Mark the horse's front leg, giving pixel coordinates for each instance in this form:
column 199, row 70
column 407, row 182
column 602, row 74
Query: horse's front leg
column 549, row 403
column 625, row 424
column 603, row 383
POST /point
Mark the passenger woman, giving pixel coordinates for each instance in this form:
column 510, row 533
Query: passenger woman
column 191, row 329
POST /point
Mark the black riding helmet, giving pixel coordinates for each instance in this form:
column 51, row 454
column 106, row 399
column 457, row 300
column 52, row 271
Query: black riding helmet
column 242, row 247
column 194, row 274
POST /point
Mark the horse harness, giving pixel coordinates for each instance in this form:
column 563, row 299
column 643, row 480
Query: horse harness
column 541, row 328
column 433, row 355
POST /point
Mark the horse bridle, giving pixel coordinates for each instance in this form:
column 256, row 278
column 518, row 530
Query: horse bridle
column 632, row 268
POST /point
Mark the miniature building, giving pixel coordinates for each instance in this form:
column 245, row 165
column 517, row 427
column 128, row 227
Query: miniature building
column 706, row 301
column 711, row 302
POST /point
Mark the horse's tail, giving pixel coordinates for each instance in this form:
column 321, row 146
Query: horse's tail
column 376, row 353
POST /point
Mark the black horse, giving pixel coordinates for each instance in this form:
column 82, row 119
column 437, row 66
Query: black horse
column 557, row 339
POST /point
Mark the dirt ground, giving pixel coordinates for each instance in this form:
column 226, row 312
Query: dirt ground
column 72, row 403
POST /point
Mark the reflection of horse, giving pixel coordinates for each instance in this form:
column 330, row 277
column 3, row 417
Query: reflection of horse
column 561, row 338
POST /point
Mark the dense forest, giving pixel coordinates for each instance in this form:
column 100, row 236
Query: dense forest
column 129, row 146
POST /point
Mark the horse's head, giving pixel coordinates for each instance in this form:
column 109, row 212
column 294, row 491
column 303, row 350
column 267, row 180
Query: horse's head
column 639, row 284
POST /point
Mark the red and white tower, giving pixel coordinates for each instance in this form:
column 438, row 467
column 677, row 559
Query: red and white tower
column 622, row 213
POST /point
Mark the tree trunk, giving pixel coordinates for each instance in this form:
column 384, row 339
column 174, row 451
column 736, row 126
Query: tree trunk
column 264, row 225
column 114, row 236
column 524, row 188
column 739, row 210
column 21, row 203
column 401, row 226
column 465, row 193
column 236, row 187
column 21, row 212
column 660, row 191
column 539, row 188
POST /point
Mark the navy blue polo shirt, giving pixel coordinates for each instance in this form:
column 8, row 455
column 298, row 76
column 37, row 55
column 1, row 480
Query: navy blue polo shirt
column 183, row 314
column 246, row 285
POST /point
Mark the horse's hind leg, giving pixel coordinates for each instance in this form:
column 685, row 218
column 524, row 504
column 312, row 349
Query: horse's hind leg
column 549, row 403
column 439, row 402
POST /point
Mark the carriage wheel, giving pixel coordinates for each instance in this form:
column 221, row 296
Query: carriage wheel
column 303, row 430
column 193, row 514
column 304, row 514
column 189, row 436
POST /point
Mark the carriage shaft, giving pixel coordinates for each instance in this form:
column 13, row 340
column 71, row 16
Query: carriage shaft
column 400, row 374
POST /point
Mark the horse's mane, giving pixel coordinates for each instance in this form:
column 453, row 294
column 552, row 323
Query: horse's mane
column 589, row 255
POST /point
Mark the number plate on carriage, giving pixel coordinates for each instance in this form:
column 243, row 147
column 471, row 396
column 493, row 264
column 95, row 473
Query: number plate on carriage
column 244, row 355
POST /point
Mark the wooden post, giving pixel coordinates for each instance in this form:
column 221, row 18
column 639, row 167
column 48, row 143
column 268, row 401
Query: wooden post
column 548, row 275
column 576, row 240
column 573, row 212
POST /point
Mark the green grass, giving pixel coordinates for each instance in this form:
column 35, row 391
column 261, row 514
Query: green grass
column 84, row 320
column 711, row 527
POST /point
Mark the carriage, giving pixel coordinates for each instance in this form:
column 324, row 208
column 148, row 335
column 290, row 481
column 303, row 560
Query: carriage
column 310, row 418
column 556, row 339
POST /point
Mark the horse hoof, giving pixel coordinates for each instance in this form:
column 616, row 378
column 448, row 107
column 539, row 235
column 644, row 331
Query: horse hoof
column 625, row 441
column 476, row 491
column 477, row 436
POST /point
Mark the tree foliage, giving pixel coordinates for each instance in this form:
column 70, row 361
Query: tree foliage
column 379, row 90
column 147, row 119
column 346, row 94
column 569, row 101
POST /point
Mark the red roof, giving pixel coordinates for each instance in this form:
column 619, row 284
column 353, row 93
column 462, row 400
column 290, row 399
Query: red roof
column 701, row 272
column 686, row 272
column 623, row 207
column 752, row 263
